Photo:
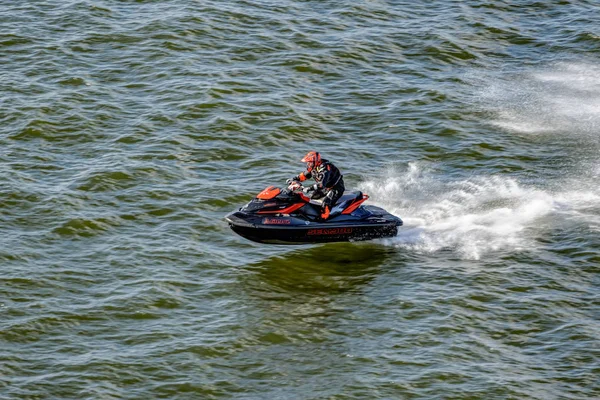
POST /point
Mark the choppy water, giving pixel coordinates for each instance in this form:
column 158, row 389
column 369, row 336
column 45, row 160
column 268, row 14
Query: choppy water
column 129, row 129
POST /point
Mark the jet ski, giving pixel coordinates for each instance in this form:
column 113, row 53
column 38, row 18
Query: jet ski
column 289, row 216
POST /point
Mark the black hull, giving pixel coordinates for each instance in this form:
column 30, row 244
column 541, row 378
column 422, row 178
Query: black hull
column 301, row 236
column 292, row 230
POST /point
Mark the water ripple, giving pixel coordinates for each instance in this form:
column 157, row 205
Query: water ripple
column 129, row 129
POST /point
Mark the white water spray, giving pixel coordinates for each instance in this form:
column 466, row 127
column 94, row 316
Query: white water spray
column 470, row 217
column 482, row 214
column 562, row 98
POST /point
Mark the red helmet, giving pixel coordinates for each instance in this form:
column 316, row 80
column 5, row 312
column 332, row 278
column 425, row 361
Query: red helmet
column 312, row 159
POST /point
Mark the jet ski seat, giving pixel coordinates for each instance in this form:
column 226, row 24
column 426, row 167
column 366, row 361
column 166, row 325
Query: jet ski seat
column 347, row 199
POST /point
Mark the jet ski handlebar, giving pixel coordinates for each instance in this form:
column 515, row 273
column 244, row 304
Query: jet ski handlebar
column 296, row 187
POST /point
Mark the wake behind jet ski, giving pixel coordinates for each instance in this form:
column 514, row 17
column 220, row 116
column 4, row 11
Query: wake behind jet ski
column 289, row 216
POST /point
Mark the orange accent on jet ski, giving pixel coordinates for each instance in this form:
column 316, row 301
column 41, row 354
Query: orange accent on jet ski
column 305, row 198
column 286, row 210
column 268, row 193
column 355, row 205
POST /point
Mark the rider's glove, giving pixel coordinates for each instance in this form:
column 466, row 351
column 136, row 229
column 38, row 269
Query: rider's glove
column 290, row 181
column 310, row 188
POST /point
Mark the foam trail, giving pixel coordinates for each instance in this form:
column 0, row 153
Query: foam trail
column 561, row 98
column 471, row 217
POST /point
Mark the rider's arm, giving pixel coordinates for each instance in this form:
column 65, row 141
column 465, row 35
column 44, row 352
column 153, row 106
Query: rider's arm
column 303, row 176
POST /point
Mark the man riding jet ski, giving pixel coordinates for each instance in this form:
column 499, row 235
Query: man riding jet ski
column 288, row 216
column 329, row 181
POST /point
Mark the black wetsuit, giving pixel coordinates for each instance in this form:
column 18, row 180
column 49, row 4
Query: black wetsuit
column 330, row 182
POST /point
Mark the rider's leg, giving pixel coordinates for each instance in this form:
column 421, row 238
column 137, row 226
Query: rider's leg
column 329, row 201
